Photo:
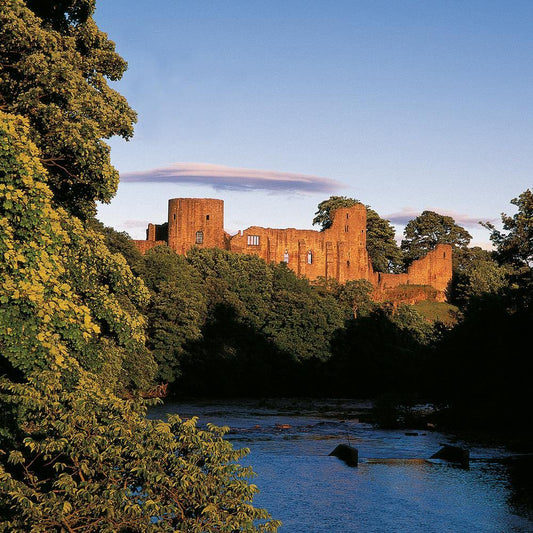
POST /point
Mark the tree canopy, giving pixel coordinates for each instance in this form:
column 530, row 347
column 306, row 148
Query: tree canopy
column 422, row 234
column 55, row 66
column 515, row 244
column 74, row 454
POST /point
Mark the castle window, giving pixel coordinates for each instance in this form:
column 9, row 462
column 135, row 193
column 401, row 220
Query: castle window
column 286, row 256
column 347, row 216
column 253, row 240
column 199, row 237
column 444, row 255
column 174, row 216
column 207, row 217
column 309, row 257
column 346, row 228
column 348, row 264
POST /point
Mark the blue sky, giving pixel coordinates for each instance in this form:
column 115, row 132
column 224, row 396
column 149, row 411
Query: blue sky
column 274, row 106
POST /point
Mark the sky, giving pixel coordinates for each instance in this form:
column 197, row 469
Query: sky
column 275, row 106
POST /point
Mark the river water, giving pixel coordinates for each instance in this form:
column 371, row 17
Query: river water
column 392, row 489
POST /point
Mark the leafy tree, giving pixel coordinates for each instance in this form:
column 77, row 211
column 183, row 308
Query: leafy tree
column 87, row 461
column 380, row 239
column 476, row 273
column 355, row 296
column 119, row 242
column 56, row 273
column 515, row 246
column 55, row 66
column 301, row 321
column 177, row 310
column 72, row 454
column 422, row 234
column 381, row 244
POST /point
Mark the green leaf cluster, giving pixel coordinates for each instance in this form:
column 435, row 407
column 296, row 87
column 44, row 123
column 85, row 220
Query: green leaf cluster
column 89, row 461
column 423, row 233
column 55, row 67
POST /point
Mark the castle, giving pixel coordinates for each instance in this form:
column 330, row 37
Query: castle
column 338, row 252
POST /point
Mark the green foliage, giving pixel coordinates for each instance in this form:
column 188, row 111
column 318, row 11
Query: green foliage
column 380, row 239
column 422, row 234
column 119, row 242
column 62, row 292
column 476, row 273
column 443, row 312
column 55, row 66
column 177, row 310
column 381, row 245
column 354, row 296
column 72, row 454
column 515, row 246
column 91, row 462
column 383, row 352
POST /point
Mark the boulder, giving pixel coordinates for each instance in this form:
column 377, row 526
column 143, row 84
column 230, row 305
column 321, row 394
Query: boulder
column 347, row 454
column 454, row 454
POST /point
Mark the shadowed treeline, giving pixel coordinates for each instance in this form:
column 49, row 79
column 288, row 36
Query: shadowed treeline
column 231, row 325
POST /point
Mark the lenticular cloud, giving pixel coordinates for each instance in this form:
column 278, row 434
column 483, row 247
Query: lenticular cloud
column 221, row 177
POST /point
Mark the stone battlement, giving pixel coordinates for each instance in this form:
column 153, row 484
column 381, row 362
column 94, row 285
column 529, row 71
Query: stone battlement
column 338, row 252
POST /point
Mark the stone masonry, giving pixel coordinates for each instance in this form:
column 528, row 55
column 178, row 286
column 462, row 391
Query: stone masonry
column 338, row 252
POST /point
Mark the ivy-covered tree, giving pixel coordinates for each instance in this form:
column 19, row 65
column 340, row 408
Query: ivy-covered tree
column 380, row 238
column 422, row 234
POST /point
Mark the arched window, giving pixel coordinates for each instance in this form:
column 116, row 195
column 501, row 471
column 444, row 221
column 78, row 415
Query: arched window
column 199, row 237
column 286, row 256
column 309, row 257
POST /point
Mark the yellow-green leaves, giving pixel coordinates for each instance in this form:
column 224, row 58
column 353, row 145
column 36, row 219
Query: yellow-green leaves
column 55, row 63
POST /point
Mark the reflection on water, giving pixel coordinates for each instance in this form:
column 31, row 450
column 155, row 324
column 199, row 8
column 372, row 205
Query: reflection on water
column 311, row 492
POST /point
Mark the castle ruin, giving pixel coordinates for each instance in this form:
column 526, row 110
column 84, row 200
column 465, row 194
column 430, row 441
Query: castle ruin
column 338, row 252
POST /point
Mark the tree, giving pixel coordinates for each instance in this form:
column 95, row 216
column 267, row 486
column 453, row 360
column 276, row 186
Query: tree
column 422, row 234
column 177, row 310
column 515, row 247
column 476, row 273
column 55, row 66
column 380, row 239
column 381, row 244
column 73, row 455
column 61, row 285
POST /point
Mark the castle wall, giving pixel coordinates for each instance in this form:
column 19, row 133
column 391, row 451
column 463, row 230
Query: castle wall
column 338, row 252
column 144, row 246
column 195, row 222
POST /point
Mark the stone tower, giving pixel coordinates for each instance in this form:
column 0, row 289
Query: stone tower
column 195, row 222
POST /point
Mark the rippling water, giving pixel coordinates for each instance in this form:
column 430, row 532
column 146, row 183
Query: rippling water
column 309, row 491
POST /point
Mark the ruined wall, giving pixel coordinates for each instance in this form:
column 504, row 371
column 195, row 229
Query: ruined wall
column 144, row 246
column 434, row 269
column 195, row 222
column 339, row 252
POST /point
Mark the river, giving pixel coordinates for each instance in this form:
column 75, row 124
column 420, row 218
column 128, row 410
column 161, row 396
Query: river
column 309, row 491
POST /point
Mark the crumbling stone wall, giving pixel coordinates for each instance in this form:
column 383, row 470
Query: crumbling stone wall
column 338, row 252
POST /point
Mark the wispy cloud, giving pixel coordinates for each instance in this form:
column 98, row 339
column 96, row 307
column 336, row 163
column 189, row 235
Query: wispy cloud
column 233, row 179
column 406, row 214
